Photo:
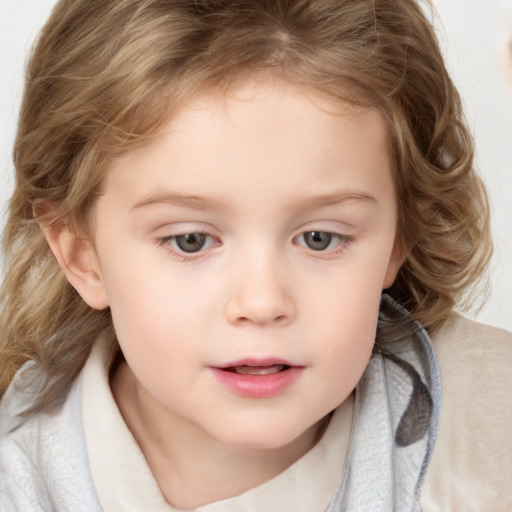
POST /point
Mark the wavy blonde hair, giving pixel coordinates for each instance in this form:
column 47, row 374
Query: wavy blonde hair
column 104, row 77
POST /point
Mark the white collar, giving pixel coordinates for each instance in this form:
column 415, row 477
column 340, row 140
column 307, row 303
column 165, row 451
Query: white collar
column 123, row 480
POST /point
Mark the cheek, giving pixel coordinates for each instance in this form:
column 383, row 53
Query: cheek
column 345, row 356
column 349, row 296
column 158, row 310
column 348, row 309
column 156, row 335
column 353, row 325
column 344, row 322
column 138, row 297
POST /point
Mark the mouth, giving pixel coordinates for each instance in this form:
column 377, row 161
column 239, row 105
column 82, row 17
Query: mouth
column 245, row 369
column 257, row 378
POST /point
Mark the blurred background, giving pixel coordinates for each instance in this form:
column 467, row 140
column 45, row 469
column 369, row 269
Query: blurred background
column 476, row 38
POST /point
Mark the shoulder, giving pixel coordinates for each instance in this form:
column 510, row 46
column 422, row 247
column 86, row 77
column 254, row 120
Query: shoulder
column 18, row 473
column 460, row 331
column 475, row 362
column 43, row 461
column 472, row 463
column 475, row 354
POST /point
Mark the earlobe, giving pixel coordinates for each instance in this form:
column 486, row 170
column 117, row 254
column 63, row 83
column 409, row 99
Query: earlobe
column 77, row 257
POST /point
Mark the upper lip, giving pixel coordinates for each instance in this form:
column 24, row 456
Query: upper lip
column 268, row 361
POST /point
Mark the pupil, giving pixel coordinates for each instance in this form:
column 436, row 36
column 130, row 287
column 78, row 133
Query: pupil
column 191, row 242
column 318, row 240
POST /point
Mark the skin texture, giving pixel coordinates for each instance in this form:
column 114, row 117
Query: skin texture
column 254, row 171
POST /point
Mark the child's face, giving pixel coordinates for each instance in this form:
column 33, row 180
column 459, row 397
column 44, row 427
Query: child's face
column 243, row 255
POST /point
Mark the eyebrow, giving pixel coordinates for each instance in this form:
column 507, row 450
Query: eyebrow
column 333, row 199
column 176, row 199
column 207, row 203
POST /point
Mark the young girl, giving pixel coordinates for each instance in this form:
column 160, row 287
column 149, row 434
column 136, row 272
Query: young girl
column 237, row 238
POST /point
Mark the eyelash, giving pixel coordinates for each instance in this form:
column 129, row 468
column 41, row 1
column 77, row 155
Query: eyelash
column 344, row 241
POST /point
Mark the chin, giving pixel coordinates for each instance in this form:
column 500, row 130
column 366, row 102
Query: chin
column 269, row 437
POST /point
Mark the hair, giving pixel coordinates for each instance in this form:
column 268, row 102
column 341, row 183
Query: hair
column 105, row 76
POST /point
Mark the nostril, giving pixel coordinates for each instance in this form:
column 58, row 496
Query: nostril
column 277, row 319
column 259, row 306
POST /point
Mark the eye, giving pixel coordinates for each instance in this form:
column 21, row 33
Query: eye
column 317, row 240
column 321, row 240
column 190, row 242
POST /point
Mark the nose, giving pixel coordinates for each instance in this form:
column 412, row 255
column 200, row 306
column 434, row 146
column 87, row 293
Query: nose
column 259, row 293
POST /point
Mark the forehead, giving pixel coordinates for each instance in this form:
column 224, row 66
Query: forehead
column 251, row 94
column 262, row 132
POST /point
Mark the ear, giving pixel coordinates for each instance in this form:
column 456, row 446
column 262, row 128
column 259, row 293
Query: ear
column 77, row 257
column 395, row 262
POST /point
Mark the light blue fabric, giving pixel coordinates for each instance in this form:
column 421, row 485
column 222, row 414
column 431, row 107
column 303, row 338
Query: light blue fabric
column 396, row 418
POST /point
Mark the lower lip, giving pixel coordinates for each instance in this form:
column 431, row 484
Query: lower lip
column 257, row 386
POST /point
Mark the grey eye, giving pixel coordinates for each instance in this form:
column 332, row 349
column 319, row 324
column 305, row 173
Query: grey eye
column 191, row 242
column 318, row 240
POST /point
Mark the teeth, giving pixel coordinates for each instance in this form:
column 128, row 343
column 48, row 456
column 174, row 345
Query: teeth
column 258, row 370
